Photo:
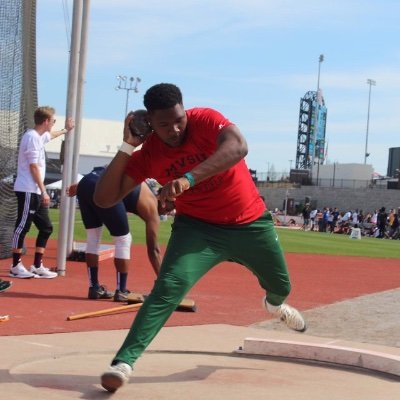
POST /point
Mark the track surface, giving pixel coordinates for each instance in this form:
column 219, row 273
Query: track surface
column 229, row 294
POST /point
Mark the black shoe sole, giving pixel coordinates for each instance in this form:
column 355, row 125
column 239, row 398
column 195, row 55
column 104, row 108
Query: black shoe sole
column 100, row 298
column 5, row 285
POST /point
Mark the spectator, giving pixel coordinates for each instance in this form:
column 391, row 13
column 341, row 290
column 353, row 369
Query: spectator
column 325, row 218
column 390, row 217
column 360, row 216
column 381, row 222
column 354, row 217
column 33, row 200
column 313, row 215
column 374, row 218
column 320, row 220
column 355, row 232
column 335, row 218
column 306, row 216
column 394, row 227
column 330, row 221
column 346, row 217
column 368, row 218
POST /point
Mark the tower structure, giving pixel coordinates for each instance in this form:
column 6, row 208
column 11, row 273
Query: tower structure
column 311, row 131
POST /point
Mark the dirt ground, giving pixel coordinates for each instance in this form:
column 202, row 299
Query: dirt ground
column 373, row 318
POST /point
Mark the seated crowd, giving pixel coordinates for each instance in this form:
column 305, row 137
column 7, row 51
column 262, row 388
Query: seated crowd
column 378, row 223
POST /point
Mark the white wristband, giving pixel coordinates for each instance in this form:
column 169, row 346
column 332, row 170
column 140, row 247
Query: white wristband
column 127, row 148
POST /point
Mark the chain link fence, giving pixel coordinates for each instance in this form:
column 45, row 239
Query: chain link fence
column 18, row 99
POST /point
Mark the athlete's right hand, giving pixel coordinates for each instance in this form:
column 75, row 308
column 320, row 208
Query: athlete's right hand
column 172, row 189
column 134, row 140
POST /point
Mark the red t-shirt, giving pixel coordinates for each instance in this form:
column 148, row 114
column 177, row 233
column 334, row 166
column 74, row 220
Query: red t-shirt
column 229, row 197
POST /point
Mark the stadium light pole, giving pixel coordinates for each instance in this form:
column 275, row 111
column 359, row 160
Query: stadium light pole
column 320, row 61
column 371, row 83
column 127, row 84
column 286, row 208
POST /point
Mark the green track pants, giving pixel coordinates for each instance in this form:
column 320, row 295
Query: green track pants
column 193, row 249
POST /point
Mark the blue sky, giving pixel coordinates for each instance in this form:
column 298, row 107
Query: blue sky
column 252, row 60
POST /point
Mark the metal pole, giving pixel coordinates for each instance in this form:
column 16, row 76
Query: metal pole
column 127, row 102
column 370, row 82
column 123, row 84
column 286, row 200
column 69, row 138
column 78, row 118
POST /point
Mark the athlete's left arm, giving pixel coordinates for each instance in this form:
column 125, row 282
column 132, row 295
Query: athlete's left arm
column 231, row 148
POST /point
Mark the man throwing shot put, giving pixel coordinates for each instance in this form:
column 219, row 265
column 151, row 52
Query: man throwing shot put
column 198, row 157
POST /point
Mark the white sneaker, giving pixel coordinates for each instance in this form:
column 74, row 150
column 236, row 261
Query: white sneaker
column 19, row 271
column 116, row 376
column 293, row 319
column 43, row 272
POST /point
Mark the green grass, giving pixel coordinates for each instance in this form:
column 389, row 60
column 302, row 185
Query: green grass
column 293, row 241
column 136, row 225
column 298, row 241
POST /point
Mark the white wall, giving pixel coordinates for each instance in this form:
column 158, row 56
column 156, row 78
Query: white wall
column 344, row 171
column 99, row 142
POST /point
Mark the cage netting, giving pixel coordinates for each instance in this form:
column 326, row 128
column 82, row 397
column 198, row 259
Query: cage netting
column 18, row 100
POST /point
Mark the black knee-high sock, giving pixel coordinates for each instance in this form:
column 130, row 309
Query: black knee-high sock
column 93, row 273
column 121, row 281
column 16, row 259
column 37, row 261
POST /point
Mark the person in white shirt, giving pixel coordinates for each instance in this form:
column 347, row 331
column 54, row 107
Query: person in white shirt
column 346, row 216
column 33, row 200
column 355, row 232
column 374, row 218
column 354, row 217
column 313, row 214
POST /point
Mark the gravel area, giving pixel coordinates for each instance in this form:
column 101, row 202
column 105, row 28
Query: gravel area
column 373, row 318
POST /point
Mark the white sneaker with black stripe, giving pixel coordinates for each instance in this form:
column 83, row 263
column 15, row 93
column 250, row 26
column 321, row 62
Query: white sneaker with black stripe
column 42, row 272
column 19, row 271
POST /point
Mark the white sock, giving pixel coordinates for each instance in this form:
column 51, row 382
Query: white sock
column 271, row 308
